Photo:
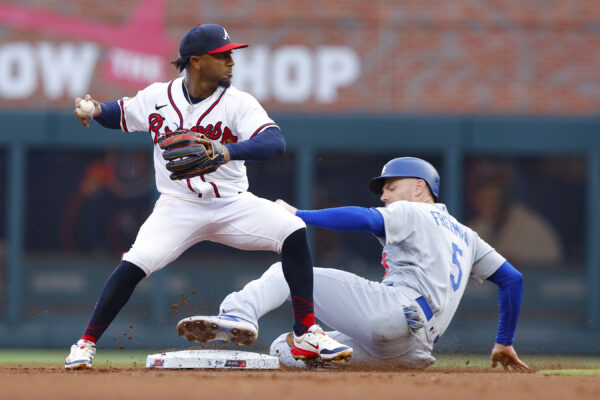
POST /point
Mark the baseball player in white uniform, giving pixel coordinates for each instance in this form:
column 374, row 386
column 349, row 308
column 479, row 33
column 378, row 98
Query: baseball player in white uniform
column 215, row 206
column 427, row 257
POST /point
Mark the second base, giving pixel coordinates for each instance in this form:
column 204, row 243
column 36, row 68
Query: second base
column 212, row 359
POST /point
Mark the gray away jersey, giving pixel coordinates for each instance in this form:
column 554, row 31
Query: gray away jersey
column 427, row 250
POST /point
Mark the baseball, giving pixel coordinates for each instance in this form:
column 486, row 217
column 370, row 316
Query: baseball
column 86, row 108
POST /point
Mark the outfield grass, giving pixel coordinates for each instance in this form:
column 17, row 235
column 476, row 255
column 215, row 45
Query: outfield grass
column 533, row 361
column 138, row 358
column 57, row 357
column 570, row 372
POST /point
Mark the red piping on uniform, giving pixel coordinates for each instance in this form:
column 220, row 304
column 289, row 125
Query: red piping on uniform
column 261, row 128
column 209, row 109
column 174, row 106
column 214, row 185
column 123, row 116
column 215, row 189
column 189, row 185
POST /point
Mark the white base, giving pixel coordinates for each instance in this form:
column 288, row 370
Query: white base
column 213, row 359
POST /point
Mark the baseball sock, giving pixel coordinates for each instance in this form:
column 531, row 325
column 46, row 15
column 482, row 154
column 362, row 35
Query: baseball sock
column 116, row 292
column 297, row 270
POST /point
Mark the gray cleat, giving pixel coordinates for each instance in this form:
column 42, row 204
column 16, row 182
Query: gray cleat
column 204, row 329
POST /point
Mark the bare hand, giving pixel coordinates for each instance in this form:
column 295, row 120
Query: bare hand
column 286, row 206
column 507, row 356
column 97, row 110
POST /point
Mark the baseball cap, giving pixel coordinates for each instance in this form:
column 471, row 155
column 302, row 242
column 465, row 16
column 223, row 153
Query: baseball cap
column 206, row 39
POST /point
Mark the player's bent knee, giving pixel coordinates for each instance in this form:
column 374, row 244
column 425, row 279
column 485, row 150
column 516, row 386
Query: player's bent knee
column 276, row 268
column 278, row 345
column 139, row 263
column 281, row 349
column 294, row 224
column 296, row 235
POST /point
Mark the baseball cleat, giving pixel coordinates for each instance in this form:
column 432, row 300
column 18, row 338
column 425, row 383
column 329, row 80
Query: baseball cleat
column 81, row 356
column 316, row 344
column 318, row 363
column 223, row 327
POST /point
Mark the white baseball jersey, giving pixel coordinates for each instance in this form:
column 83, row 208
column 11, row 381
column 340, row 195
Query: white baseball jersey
column 216, row 206
column 228, row 115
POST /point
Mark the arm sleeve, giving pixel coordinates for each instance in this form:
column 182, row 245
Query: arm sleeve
column 510, row 291
column 110, row 117
column 261, row 147
column 347, row 219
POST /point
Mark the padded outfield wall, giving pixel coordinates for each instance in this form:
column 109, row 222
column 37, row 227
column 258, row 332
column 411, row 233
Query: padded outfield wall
column 502, row 97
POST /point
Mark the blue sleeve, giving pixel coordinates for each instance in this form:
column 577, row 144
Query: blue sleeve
column 261, row 147
column 510, row 291
column 110, row 117
column 347, row 219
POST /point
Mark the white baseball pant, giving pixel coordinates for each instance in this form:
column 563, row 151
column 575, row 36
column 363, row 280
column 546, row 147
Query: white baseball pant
column 244, row 221
column 366, row 315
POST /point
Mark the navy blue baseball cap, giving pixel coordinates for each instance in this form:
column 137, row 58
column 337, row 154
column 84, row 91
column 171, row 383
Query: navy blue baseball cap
column 206, row 39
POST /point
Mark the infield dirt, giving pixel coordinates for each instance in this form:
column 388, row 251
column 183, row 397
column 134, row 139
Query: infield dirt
column 30, row 382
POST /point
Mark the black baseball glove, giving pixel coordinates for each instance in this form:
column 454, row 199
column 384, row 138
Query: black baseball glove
column 190, row 154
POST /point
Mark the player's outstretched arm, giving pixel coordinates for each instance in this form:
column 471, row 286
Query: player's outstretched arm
column 507, row 356
column 343, row 219
column 84, row 115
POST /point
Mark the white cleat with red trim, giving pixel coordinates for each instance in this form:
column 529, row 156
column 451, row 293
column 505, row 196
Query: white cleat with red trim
column 316, row 344
column 81, row 355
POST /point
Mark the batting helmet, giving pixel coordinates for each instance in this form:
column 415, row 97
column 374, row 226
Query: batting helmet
column 408, row 167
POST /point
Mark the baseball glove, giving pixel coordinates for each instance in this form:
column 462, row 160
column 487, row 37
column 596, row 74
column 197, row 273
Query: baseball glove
column 190, row 154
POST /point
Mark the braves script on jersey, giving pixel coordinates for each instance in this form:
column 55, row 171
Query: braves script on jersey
column 228, row 115
column 425, row 248
column 216, row 206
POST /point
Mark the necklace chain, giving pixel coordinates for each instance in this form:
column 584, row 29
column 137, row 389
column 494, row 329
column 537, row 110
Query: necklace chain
column 187, row 92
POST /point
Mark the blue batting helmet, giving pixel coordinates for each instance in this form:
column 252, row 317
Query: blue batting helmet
column 408, row 167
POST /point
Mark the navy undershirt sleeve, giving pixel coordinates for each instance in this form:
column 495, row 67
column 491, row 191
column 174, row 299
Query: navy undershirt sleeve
column 110, row 117
column 510, row 292
column 346, row 219
column 264, row 146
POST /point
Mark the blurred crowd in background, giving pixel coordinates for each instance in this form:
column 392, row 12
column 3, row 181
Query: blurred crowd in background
column 530, row 209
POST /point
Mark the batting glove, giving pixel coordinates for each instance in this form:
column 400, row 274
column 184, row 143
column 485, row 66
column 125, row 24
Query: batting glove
column 413, row 317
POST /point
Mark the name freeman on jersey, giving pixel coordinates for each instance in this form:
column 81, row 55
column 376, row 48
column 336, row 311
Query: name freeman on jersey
column 451, row 225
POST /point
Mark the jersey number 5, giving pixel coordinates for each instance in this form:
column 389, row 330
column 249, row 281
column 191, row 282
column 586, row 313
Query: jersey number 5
column 456, row 251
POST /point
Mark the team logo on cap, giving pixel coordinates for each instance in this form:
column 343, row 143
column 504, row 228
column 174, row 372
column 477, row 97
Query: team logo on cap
column 226, row 35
